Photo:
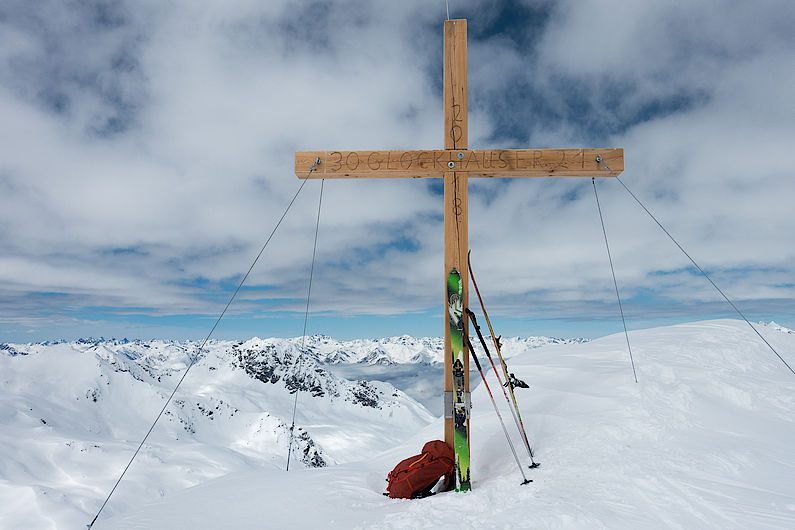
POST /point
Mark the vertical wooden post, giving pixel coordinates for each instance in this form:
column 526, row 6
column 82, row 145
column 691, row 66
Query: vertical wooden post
column 456, row 241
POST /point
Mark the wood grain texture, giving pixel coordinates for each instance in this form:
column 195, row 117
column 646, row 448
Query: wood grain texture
column 455, row 85
column 475, row 162
column 456, row 241
column 456, row 246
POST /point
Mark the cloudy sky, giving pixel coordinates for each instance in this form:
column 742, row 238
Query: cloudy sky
column 146, row 152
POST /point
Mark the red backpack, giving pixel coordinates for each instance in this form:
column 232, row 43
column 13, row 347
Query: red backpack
column 415, row 476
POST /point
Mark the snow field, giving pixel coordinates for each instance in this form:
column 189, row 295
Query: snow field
column 73, row 414
column 704, row 440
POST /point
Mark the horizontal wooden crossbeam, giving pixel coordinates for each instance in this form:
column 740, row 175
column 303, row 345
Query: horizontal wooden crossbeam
column 475, row 162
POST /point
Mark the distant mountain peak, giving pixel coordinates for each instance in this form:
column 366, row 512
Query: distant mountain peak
column 777, row 327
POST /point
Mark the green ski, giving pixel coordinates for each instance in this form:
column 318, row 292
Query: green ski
column 455, row 313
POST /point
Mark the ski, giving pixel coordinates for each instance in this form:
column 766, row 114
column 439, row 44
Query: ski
column 455, row 313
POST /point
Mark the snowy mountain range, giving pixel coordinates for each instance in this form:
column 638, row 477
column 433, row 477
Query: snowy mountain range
column 87, row 404
column 321, row 348
column 703, row 440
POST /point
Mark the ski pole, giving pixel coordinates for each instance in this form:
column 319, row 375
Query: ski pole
column 474, row 320
column 494, row 403
column 518, row 416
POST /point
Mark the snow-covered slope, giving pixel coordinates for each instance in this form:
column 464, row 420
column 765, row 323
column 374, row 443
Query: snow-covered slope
column 704, row 440
column 71, row 415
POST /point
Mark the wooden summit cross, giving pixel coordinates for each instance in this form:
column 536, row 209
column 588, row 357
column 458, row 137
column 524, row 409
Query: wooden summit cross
column 455, row 164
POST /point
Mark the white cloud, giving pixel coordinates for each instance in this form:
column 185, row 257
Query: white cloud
column 210, row 102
